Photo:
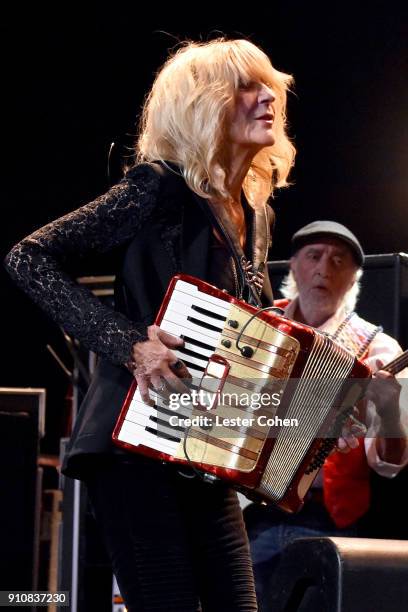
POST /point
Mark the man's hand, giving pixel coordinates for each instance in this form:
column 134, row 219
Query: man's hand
column 384, row 391
column 352, row 430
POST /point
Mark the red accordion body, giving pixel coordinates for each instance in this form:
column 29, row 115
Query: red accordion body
column 272, row 448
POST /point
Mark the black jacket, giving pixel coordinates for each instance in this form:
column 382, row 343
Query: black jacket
column 163, row 228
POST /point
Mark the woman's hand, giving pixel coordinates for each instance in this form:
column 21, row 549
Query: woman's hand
column 154, row 363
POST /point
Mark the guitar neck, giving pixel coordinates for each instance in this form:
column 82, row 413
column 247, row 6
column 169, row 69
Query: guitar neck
column 397, row 364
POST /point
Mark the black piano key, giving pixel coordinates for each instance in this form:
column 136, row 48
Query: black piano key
column 205, row 325
column 166, row 411
column 208, row 313
column 162, row 423
column 194, row 366
column 161, row 434
column 197, row 343
column 192, row 354
column 191, row 385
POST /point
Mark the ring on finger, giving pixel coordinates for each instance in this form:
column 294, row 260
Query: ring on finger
column 161, row 387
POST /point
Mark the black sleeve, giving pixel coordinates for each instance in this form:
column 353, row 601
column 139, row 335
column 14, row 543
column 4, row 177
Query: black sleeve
column 37, row 263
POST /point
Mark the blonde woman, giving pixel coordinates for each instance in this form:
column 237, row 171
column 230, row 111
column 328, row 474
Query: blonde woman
column 211, row 149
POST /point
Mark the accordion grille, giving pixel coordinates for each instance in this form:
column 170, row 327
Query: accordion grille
column 327, row 367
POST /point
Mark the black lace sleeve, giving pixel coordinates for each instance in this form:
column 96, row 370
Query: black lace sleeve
column 37, row 263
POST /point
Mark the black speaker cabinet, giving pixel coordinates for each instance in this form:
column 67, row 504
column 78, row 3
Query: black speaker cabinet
column 22, row 414
column 340, row 575
column 384, row 291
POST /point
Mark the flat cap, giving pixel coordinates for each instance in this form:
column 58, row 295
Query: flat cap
column 311, row 232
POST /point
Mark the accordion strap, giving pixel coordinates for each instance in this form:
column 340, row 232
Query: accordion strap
column 252, row 273
column 355, row 334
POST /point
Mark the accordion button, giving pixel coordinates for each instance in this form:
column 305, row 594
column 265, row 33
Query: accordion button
column 226, row 343
column 232, row 323
column 247, row 352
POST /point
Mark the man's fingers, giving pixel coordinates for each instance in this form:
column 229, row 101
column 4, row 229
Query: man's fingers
column 383, row 389
column 342, row 446
column 348, row 439
column 379, row 363
column 354, row 427
column 352, row 441
column 383, row 374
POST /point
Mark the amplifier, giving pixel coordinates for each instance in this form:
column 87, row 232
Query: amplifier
column 383, row 297
column 22, row 417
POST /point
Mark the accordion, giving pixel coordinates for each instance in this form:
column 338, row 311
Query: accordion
column 264, row 401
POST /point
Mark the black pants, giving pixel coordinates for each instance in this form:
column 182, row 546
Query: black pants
column 176, row 544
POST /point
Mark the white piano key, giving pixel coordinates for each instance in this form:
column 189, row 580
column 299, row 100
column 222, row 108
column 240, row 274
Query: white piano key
column 136, row 407
column 185, row 311
column 133, row 434
column 193, row 360
column 137, row 404
column 140, row 408
column 205, row 354
column 137, row 419
column 209, row 336
column 203, row 334
column 177, row 330
column 164, row 426
column 179, row 297
column 143, row 422
column 159, row 403
column 193, row 290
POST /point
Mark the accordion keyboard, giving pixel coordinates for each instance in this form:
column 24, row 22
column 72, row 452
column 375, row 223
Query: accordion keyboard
column 199, row 319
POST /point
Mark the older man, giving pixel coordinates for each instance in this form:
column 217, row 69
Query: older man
column 321, row 290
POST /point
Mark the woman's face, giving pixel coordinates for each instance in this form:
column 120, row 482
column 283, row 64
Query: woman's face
column 251, row 124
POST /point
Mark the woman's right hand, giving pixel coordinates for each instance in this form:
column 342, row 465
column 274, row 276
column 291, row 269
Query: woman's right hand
column 154, row 363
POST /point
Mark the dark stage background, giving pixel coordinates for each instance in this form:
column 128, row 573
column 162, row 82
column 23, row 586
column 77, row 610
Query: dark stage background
column 73, row 84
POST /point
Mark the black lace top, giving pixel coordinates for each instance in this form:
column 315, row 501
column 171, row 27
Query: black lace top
column 37, row 262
